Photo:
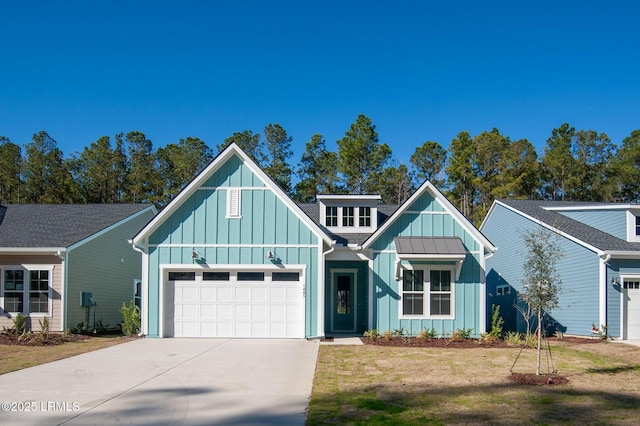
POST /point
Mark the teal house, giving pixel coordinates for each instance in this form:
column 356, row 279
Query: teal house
column 599, row 269
column 233, row 256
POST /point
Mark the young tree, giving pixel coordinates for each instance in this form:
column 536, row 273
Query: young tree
column 361, row 156
column 429, row 159
column 278, row 147
column 317, row 170
column 540, row 278
column 10, row 164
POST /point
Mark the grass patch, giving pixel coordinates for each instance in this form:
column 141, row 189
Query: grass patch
column 395, row 385
column 17, row 357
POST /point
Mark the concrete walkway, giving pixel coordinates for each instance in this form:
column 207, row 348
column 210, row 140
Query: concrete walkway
column 167, row 382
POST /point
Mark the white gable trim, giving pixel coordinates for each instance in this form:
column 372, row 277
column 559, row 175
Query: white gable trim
column 213, row 167
column 445, row 203
column 545, row 225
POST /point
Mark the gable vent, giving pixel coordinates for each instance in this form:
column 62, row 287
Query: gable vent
column 233, row 202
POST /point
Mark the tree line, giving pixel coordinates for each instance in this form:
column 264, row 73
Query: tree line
column 578, row 165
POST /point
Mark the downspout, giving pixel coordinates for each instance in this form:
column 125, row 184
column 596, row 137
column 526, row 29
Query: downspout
column 321, row 288
column 603, row 289
column 145, row 289
column 62, row 255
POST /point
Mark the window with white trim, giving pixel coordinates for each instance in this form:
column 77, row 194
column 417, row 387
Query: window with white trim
column 503, row 290
column 347, row 216
column 364, row 216
column 427, row 293
column 137, row 293
column 331, row 214
column 26, row 291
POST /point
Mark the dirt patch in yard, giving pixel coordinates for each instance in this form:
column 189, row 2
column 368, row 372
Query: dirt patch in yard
column 538, row 380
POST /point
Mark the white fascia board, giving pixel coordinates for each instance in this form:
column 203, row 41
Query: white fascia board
column 111, row 227
column 33, row 250
column 620, row 254
column 228, row 152
column 446, row 204
column 570, row 237
column 607, row 206
column 348, row 197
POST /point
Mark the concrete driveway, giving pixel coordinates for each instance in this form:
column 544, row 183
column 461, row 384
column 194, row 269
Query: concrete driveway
column 167, row 382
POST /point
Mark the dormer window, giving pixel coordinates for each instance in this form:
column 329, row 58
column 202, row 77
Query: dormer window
column 331, row 216
column 364, row 216
column 638, row 225
column 349, row 213
column 347, row 216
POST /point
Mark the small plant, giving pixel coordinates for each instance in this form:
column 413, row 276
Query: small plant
column 558, row 334
column 399, row 332
column 513, row 338
column 66, row 333
column 372, row 334
column 531, row 340
column 497, row 322
column 387, row 335
column 461, row 334
column 426, row 333
column 100, row 328
column 601, row 333
column 130, row 319
column 487, row 339
column 44, row 328
column 19, row 324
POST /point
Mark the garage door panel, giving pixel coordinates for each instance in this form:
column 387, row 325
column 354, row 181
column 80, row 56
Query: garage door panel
column 208, row 308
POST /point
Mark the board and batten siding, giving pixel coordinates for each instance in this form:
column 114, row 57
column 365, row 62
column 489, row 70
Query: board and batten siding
column 106, row 266
column 425, row 217
column 265, row 224
column 55, row 317
column 579, row 270
column 612, row 222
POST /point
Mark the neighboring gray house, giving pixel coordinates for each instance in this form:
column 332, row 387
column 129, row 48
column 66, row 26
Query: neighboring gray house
column 600, row 269
column 52, row 255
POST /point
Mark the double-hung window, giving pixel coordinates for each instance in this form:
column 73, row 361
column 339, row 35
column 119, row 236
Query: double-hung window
column 26, row 291
column 364, row 216
column 347, row 216
column 331, row 214
column 427, row 293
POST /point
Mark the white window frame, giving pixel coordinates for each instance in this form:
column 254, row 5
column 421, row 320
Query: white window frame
column 632, row 237
column 27, row 288
column 503, row 290
column 137, row 284
column 427, row 291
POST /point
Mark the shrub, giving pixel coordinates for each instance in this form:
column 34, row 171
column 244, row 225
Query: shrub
column 513, row 338
column 19, row 325
column 461, row 334
column 44, row 327
column 372, row 334
column 130, row 319
column 426, row 333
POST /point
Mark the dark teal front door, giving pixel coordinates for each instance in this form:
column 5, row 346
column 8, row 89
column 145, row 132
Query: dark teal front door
column 343, row 303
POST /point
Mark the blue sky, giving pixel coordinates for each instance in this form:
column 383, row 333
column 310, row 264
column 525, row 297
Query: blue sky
column 421, row 70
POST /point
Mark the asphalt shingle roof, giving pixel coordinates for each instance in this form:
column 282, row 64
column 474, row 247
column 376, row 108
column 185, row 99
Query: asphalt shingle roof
column 579, row 230
column 58, row 225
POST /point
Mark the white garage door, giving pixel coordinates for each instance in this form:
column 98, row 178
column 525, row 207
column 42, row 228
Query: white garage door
column 632, row 289
column 234, row 304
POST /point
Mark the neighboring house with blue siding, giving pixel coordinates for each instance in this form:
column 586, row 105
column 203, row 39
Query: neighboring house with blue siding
column 599, row 269
column 52, row 255
column 233, row 256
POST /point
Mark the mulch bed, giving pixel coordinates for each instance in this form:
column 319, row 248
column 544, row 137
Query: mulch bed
column 36, row 340
column 415, row 342
column 541, row 380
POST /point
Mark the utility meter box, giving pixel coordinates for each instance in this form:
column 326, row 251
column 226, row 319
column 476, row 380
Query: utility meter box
column 85, row 299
